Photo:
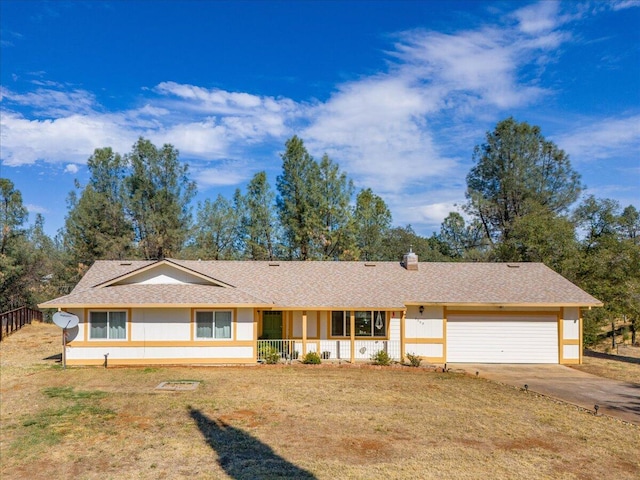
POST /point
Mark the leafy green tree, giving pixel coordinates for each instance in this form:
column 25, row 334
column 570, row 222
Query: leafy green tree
column 462, row 240
column 609, row 266
column 397, row 241
column 335, row 239
column 159, row 193
column 298, row 199
column 259, row 221
column 216, row 230
column 629, row 223
column 96, row 226
column 540, row 236
column 13, row 213
column 372, row 221
column 14, row 258
column 517, row 172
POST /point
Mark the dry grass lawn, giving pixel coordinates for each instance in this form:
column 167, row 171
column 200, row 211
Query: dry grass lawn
column 288, row 422
column 608, row 368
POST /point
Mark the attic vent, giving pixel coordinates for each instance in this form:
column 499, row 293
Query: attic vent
column 274, row 264
column 125, row 263
column 369, row 264
column 511, row 265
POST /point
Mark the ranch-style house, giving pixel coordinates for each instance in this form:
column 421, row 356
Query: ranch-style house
column 224, row 312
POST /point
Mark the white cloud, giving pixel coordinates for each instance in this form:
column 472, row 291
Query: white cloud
column 602, row 139
column 226, row 174
column 36, row 208
column 386, row 130
column 51, row 102
column 623, row 4
column 538, row 18
column 67, row 139
column 71, row 168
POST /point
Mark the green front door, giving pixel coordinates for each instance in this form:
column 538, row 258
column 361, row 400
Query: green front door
column 272, row 325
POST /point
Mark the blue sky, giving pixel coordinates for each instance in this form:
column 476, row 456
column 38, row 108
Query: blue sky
column 398, row 93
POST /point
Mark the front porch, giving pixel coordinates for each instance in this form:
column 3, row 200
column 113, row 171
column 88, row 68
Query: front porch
column 344, row 350
column 335, row 335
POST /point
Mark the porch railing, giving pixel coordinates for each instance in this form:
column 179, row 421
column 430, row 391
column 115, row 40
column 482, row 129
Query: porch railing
column 274, row 351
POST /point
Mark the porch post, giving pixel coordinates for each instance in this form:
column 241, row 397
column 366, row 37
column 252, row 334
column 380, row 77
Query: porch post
column 304, row 333
column 403, row 318
column 353, row 335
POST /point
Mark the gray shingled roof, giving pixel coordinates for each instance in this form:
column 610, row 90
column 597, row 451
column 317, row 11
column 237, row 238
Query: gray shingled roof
column 347, row 285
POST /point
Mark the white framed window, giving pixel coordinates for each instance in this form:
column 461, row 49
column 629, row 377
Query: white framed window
column 108, row 325
column 368, row 323
column 214, row 324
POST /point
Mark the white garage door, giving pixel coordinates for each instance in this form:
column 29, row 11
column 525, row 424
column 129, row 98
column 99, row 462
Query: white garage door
column 502, row 339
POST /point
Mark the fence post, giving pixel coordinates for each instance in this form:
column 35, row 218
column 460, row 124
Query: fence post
column 17, row 318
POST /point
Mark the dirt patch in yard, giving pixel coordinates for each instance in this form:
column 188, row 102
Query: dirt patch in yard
column 308, row 423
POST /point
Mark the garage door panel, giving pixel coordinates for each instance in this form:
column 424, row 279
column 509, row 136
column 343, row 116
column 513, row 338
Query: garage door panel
column 502, row 339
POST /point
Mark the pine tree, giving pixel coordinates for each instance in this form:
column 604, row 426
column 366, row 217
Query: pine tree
column 159, row 192
column 298, row 200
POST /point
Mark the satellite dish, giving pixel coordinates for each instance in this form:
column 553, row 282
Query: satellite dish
column 65, row 319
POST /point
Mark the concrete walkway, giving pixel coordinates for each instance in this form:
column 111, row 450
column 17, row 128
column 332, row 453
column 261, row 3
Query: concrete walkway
column 614, row 398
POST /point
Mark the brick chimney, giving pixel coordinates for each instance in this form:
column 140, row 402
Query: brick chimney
column 410, row 260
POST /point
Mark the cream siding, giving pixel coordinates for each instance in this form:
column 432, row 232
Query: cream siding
column 428, row 324
column 570, row 329
column 571, row 324
column 394, row 326
column 431, row 350
column 324, row 324
column 312, row 325
column 244, row 324
column 78, row 332
column 571, row 352
column 164, row 274
column 208, row 353
column 155, row 324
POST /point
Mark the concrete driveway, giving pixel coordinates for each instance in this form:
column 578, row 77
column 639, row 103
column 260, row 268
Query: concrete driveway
column 617, row 399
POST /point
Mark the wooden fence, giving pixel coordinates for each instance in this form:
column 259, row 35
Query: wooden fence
column 16, row 319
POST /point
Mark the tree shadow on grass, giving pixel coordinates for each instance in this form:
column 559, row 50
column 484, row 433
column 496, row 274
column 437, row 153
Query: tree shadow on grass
column 606, row 356
column 243, row 456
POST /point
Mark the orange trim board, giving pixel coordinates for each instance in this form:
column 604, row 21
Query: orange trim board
column 416, row 340
column 163, row 343
column 571, row 361
column 515, row 313
column 162, row 361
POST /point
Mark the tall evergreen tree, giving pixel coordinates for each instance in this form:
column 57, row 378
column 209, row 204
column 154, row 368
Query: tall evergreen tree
column 13, row 213
column 216, row 230
column 298, row 199
column 372, row 222
column 96, row 226
column 159, row 192
column 518, row 172
column 259, row 220
column 335, row 239
column 14, row 251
